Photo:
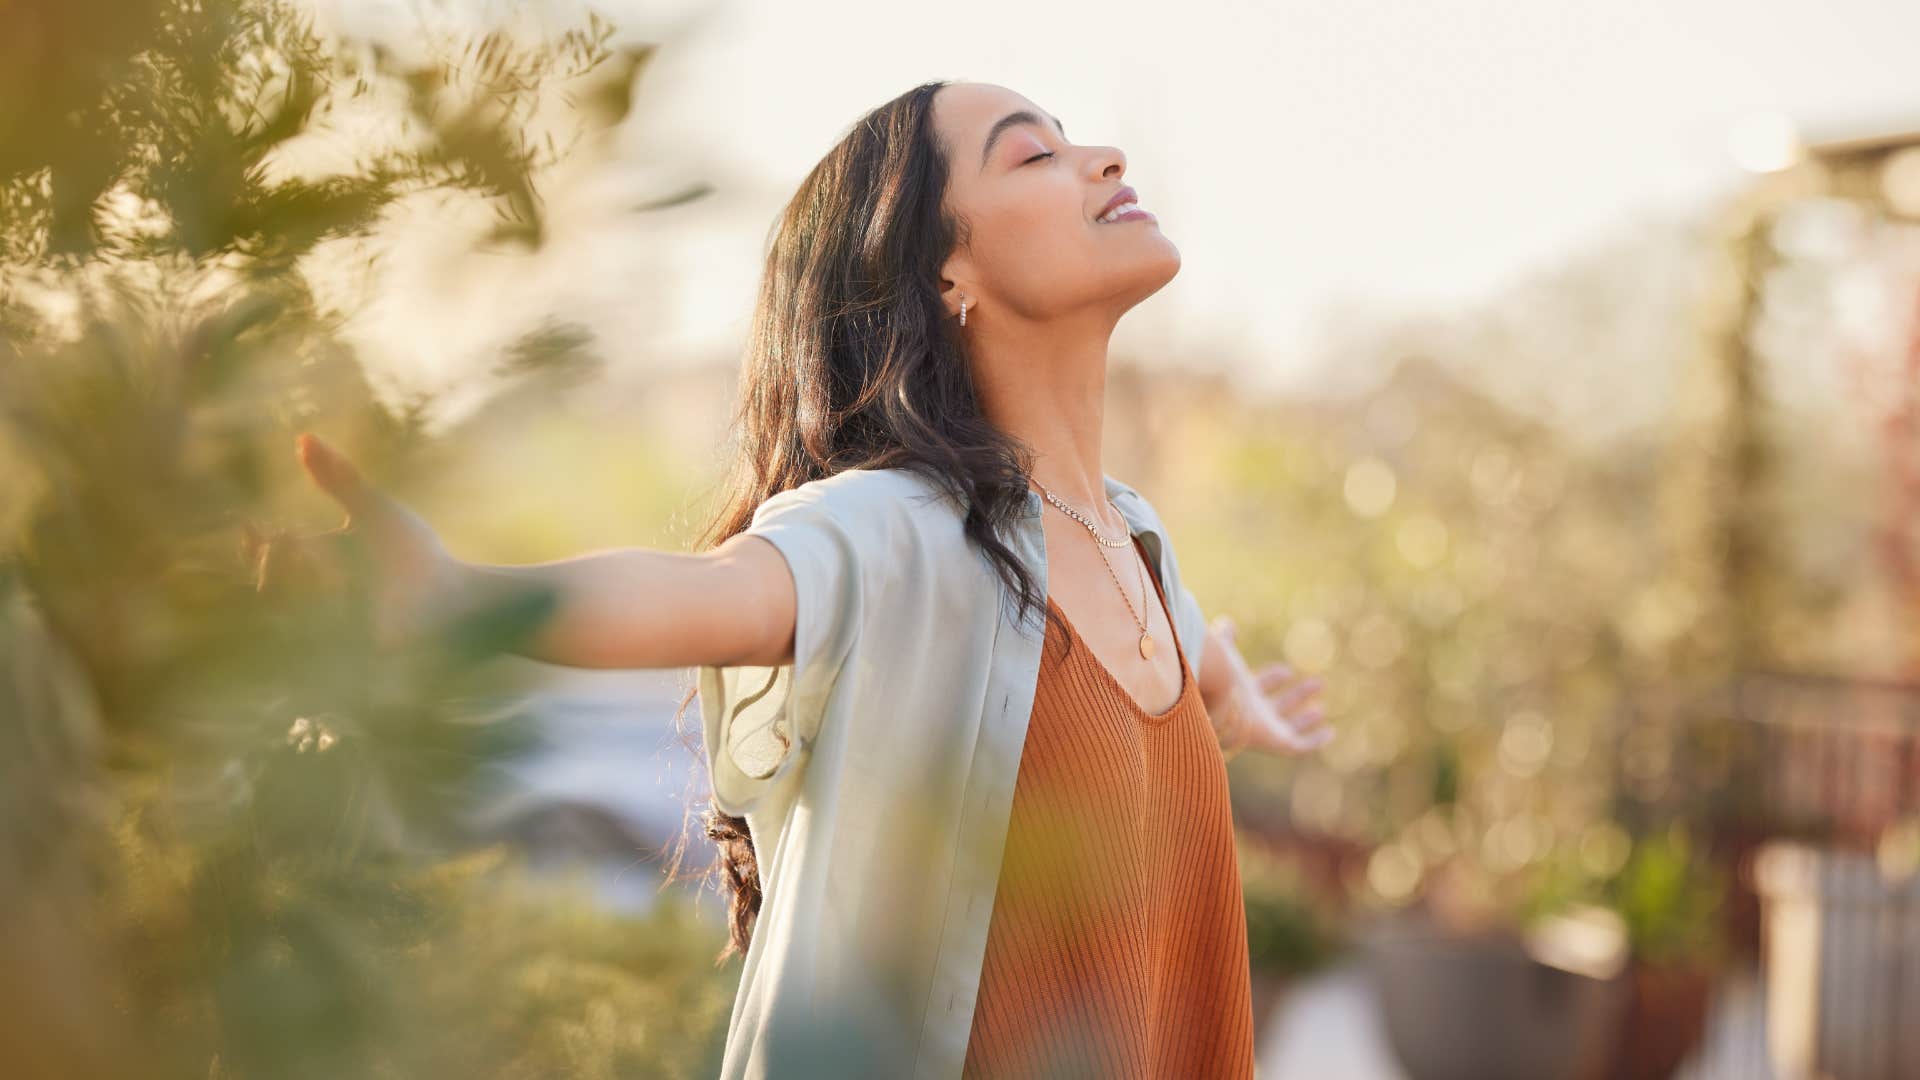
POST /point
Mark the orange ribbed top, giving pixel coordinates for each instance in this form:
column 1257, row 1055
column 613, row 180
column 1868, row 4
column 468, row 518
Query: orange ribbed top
column 1118, row 942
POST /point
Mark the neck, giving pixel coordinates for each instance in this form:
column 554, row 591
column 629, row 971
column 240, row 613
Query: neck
column 1045, row 384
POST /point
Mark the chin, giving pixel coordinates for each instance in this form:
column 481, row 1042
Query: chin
column 1173, row 261
column 1150, row 279
column 1160, row 270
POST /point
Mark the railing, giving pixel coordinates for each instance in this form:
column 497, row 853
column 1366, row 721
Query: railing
column 1833, row 759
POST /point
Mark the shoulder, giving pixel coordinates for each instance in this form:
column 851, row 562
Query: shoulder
column 880, row 513
column 861, row 496
column 889, row 487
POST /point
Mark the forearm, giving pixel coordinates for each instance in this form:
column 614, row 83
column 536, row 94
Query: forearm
column 1215, row 675
column 1214, row 671
column 619, row 608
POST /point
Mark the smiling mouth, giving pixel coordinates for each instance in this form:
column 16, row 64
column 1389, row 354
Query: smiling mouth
column 1126, row 211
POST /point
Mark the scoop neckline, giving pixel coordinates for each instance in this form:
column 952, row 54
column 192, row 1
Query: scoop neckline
column 1186, row 675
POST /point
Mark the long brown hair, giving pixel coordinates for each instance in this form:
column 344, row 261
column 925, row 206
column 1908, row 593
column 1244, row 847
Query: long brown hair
column 852, row 363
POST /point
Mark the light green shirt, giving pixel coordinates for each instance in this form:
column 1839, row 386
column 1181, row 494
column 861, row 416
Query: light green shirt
column 876, row 772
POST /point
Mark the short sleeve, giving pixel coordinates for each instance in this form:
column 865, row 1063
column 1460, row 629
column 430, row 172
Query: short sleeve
column 759, row 722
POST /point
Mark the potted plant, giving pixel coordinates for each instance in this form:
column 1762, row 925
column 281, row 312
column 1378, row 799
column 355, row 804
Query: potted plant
column 1479, row 981
column 1670, row 902
column 1565, row 967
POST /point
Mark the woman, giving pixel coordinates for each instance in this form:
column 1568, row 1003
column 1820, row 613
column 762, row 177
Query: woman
column 965, row 725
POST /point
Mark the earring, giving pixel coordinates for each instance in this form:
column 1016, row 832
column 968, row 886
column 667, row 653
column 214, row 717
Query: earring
column 963, row 311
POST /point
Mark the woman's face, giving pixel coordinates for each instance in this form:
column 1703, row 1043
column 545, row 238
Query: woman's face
column 1032, row 246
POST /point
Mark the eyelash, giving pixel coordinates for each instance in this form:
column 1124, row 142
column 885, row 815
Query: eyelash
column 1037, row 157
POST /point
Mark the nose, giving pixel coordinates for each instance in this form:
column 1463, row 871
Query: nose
column 1112, row 161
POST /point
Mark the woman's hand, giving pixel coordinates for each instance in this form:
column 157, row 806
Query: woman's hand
column 1266, row 709
column 412, row 577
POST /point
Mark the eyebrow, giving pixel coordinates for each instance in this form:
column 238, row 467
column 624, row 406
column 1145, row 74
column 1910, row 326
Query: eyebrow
column 1015, row 119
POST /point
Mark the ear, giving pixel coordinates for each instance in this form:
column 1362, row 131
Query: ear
column 956, row 281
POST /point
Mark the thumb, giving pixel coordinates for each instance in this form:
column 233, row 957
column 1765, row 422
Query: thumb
column 333, row 472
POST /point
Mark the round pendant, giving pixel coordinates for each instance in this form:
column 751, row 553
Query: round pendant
column 1146, row 646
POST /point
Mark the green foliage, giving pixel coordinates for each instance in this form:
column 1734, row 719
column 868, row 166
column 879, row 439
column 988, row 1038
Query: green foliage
column 1670, row 897
column 1290, row 931
column 1481, row 596
column 189, row 108
column 1288, row 936
column 235, row 828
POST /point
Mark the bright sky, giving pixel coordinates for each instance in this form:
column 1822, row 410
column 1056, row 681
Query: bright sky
column 1305, row 156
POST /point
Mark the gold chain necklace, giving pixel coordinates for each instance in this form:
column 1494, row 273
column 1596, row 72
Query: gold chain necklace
column 1146, row 636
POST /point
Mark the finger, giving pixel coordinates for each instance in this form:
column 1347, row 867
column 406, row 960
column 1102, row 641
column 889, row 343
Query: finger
column 1303, row 742
column 332, row 472
column 1287, row 699
column 1315, row 741
column 1308, row 721
column 1275, row 675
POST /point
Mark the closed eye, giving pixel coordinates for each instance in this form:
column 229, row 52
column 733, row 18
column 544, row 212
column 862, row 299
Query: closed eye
column 1037, row 157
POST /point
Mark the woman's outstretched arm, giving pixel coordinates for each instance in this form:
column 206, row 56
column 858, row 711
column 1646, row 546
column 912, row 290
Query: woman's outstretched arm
column 645, row 608
column 620, row 608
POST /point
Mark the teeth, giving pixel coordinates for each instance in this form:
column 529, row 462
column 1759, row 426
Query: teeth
column 1117, row 211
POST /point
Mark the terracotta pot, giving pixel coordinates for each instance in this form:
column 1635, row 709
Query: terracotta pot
column 1664, row 1019
column 1480, row 1008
